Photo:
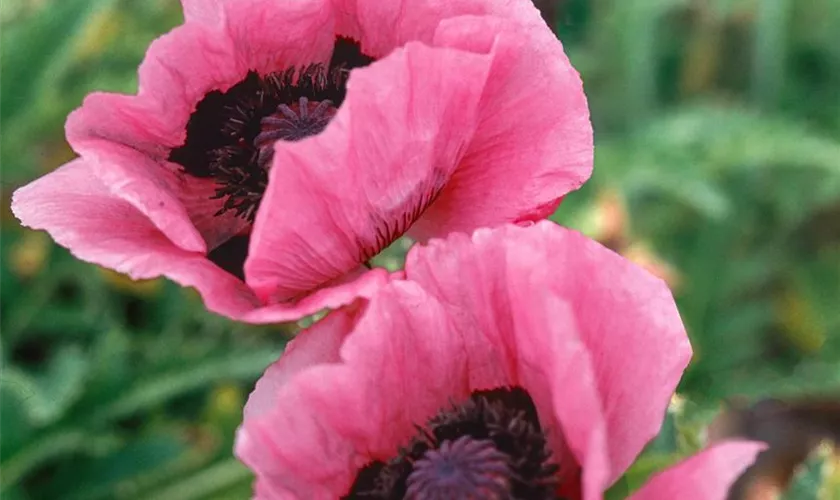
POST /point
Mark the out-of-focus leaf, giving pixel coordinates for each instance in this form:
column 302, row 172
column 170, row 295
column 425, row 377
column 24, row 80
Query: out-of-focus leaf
column 618, row 491
column 49, row 447
column 770, row 33
column 808, row 482
column 30, row 48
column 154, row 391
column 17, row 430
column 207, row 483
column 47, row 396
column 108, row 476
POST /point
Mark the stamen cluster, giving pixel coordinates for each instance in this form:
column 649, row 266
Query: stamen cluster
column 491, row 446
column 230, row 135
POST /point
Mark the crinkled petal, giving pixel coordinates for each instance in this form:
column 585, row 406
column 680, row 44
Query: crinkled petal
column 207, row 11
column 364, row 20
column 705, row 476
column 179, row 69
column 534, row 143
column 134, row 175
column 126, row 139
column 182, row 66
column 624, row 318
column 343, row 292
column 512, row 306
column 198, row 197
column 397, row 369
column 319, row 344
column 80, row 213
column 336, row 199
column 534, row 140
column 518, row 333
column 272, row 35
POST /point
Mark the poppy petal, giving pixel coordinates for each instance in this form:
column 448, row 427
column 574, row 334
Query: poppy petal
column 347, row 413
column 625, row 318
column 534, row 141
column 336, row 199
column 705, row 476
column 80, row 213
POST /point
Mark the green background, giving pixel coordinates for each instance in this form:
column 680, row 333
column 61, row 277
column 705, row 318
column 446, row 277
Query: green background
column 717, row 160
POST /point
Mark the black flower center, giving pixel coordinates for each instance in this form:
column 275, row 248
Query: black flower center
column 230, row 135
column 490, row 447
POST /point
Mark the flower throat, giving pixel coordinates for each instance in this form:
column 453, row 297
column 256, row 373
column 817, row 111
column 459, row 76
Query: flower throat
column 230, row 135
column 490, row 447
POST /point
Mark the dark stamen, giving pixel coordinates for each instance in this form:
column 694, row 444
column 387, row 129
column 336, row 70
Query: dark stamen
column 296, row 124
column 230, row 135
column 492, row 446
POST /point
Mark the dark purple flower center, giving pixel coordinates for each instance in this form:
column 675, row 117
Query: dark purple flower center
column 230, row 135
column 291, row 123
column 490, row 447
column 464, row 468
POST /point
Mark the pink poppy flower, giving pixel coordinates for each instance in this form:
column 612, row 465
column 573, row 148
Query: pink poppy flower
column 275, row 146
column 516, row 363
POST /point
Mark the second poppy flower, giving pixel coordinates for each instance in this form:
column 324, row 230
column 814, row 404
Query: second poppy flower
column 519, row 363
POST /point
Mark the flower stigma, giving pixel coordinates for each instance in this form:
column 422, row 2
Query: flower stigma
column 490, row 447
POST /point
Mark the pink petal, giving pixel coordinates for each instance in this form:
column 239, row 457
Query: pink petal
column 329, row 297
column 333, row 418
column 196, row 194
column 534, row 140
column 150, row 187
column 519, row 334
column 182, row 66
column 179, row 69
column 705, row 476
column 208, row 11
column 273, row 35
column 364, row 20
column 625, row 319
column 507, row 307
column 534, row 143
column 80, row 213
column 336, row 199
column 319, row 344
column 126, row 139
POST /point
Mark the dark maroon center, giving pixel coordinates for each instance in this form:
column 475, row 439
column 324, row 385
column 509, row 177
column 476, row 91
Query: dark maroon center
column 230, row 135
column 490, row 447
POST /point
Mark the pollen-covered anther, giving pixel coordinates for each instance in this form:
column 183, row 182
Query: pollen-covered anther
column 292, row 123
column 464, row 468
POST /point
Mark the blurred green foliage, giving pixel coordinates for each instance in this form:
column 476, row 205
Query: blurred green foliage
column 717, row 161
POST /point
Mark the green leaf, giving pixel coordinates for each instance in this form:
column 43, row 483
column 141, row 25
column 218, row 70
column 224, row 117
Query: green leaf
column 809, row 479
column 207, row 483
column 30, row 50
column 618, row 491
column 48, row 447
column 146, row 394
column 120, row 473
column 48, row 396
